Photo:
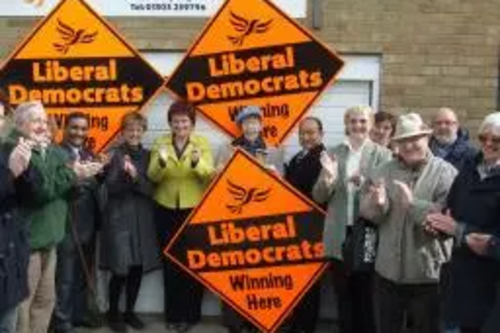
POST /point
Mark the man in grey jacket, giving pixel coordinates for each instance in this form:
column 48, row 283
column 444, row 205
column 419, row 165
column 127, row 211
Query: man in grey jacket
column 398, row 198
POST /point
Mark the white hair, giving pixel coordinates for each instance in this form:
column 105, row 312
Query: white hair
column 491, row 123
column 24, row 112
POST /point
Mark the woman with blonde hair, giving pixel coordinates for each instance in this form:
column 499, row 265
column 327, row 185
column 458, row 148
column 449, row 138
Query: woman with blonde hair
column 345, row 168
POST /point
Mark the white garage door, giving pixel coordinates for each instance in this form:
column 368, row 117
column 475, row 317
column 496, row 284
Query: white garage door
column 358, row 84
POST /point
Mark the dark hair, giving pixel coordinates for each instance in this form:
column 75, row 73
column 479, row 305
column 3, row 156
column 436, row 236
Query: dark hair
column 134, row 117
column 181, row 108
column 382, row 116
column 4, row 100
column 75, row 115
column 316, row 120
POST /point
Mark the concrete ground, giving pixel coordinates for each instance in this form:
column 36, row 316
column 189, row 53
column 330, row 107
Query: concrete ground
column 155, row 325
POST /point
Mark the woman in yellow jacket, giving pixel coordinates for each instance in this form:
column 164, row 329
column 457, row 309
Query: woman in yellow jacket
column 181, row 166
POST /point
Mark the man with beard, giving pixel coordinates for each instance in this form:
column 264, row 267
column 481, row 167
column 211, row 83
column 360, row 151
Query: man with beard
column 449, row 141
column 74, row 275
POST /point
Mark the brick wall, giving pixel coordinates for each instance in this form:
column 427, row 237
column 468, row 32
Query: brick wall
column 434, row 52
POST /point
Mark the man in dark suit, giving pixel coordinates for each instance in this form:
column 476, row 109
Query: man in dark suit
column 76, row 254
column 302, row 172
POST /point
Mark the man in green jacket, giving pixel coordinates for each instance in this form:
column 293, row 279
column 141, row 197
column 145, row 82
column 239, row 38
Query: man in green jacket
column 46, row 211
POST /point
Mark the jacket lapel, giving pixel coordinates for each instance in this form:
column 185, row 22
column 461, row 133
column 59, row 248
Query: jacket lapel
column 367, row 157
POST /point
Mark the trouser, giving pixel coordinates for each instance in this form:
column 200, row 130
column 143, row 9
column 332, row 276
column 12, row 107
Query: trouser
column 72, row 285
column 354, row 293
column 183, row 295
column 305, row 315
column 393, row 301
column 36, row 311
column 235, row 322
column 8, row 319
column 132, row 283
column 470, row 330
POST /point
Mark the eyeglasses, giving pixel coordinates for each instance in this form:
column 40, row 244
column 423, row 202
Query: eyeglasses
column 483, row 138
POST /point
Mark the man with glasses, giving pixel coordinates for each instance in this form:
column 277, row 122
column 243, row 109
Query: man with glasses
column 74, row 276
column 449, row 141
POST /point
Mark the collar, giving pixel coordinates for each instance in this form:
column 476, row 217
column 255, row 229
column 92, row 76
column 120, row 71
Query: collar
column 418, row 167
column 347, row 143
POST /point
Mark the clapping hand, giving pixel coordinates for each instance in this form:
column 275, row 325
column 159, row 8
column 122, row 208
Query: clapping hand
column 440, row 222
column 478, row 243
column 195, row 155
column 378, row 193
column 330, row 166
column 86, row 170
column 405, row 193
column 129, row 167
column 20, row 157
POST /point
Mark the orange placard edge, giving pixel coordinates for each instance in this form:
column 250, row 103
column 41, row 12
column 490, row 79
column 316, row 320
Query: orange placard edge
column 185, row 224
column 289, row 19
column 114, row 31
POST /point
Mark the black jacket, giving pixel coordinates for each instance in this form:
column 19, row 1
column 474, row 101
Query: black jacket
column 462, row 151
column 476, row 203
column 303, row 171
column 14, row 232
column 128, row 236
column 85, row 202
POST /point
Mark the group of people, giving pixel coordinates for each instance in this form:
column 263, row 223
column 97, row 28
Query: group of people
column 432, row 197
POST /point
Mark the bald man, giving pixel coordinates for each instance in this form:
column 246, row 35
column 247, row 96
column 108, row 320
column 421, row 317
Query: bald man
column 449, row 141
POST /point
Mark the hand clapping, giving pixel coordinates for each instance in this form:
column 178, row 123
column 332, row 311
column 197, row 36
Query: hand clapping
column 20, row 157
column 378, row 193
column 129, row 167
column 86, row 170
column 330, row 166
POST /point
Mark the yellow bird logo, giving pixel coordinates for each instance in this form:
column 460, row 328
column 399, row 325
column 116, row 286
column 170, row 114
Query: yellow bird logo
column 244, row 196
column 246, row 28
column 71, row 37
column 36, row 3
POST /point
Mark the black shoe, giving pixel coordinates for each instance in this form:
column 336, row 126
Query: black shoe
column 116, row 322
column 132, row 320
column 183, row 327
column 92, row 322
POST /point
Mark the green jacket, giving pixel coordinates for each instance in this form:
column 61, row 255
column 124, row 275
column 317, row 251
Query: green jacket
column 47, row 211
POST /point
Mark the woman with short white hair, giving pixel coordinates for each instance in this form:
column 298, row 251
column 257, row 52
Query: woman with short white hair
column 473, row 219
column 344, row 170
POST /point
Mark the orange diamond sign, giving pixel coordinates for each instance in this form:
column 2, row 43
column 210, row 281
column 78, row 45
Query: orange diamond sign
column 251, row 53
column 74, row 60
column 253, row 240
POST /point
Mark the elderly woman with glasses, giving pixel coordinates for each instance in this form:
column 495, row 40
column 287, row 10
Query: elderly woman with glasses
column 472, row 217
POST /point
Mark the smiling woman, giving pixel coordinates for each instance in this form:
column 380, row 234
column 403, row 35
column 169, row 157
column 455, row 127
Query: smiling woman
column 472, row 218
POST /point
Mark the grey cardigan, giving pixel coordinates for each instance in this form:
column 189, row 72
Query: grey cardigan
column 407, row 254
column 336, row 195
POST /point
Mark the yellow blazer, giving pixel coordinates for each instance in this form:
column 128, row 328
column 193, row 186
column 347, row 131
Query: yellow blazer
column 179, row 184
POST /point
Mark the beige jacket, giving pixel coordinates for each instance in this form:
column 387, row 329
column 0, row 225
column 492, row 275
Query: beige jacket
column 407, row 254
